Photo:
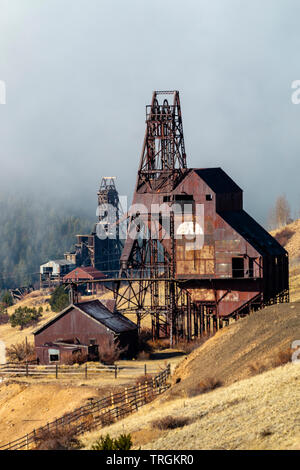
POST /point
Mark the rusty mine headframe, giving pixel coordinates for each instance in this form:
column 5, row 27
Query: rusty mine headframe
column 102, row 252
column 193, row 258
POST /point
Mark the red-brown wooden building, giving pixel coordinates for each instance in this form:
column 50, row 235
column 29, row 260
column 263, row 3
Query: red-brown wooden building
column 239, row 265
column 83, row 328
column 86, row 273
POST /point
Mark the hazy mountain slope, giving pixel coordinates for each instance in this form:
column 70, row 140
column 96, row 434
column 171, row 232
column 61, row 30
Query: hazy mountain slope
column 32, row 232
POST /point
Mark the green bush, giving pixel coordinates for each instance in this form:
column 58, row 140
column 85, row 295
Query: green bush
column 59, row 299
column 123, row 442
column 7, row 299
column 25, row 316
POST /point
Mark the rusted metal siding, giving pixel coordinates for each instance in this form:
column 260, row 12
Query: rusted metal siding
column 74, row 326
column 265, row 275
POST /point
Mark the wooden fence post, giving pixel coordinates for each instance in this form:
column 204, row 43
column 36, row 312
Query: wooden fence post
column 145, row 369
column 116, row 371
column 56, row 371
column 86, row 371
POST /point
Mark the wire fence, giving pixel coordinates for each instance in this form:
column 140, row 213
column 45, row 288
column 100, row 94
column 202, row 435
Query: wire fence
column 86, row 371
column 99, row 412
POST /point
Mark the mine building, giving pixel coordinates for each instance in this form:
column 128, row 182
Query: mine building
column 231, row 265
column 83, row 328
column 52, row 272
column 102, row 253
column 86, row 274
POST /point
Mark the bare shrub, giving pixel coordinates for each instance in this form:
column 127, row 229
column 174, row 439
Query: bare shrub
column 60, row 439
column 283, row 357
column 144, row 341
column 4, row 318
column 142, row 379
column 21, row 352
column 77, row 358
column 257, row 368
column 204, row 386
column 110, row 351
column 170, row 422
column 284, row 236
column 280, row 215
column 107, row 420
column 190, row 346
column 160, row 344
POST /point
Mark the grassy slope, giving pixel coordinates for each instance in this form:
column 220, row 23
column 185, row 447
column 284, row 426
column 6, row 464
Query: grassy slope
column 293, row 243
column 293, row 248
column 14, row 335
column 26, row 406
column 228, row 355
column 247, row 412
column 257, row 413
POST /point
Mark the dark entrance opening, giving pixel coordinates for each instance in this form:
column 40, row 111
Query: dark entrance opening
column 251, row 267
column 237, row 267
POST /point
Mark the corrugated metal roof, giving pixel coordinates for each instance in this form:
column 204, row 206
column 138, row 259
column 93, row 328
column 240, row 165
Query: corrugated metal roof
column 61, row 262
column 114, row 321
column 80, row 271
column 217, row 180
column 96, row 310
column 254, row 233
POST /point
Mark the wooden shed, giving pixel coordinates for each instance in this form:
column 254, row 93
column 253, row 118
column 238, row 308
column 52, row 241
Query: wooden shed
column 86, row 273
column 83, row 327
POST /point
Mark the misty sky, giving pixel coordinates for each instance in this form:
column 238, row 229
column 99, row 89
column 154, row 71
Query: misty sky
column 80, row 72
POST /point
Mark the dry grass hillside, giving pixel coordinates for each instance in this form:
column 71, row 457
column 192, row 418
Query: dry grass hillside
column 261, row 412
column 253, row 342
column 26, row 406
column 36, row 299
column 256, row 405
column 289, row 238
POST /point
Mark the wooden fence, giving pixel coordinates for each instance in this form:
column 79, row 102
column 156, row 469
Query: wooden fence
column 99, row 412
column 12, row 369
